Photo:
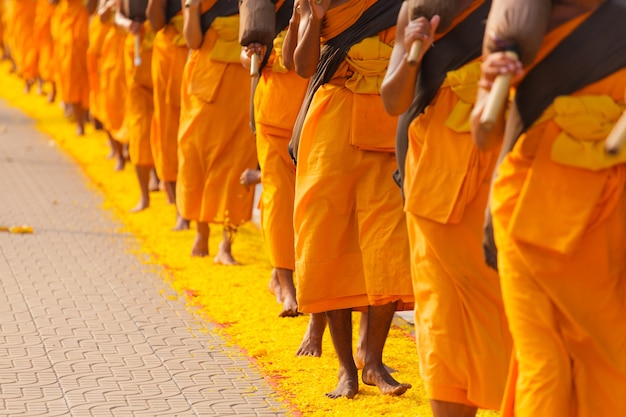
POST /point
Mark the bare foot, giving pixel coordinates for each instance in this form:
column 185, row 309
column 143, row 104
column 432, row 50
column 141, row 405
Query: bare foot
column 224, row 255
column 200, row 247
column 290, row 306
column 141, row 205
column 181, row 224
column 80, row 130
column 52, row 95
column 274, row 286
column 28, row 85
column 311, row 344
column 384, row 381
column 347, row 386
column 120, row 163
column 154, row 184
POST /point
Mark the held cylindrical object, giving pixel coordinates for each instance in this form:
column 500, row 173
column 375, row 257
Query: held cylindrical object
column 617, row 138
column 497, row 96
column 414, row 53
column 137, row 50
column 257, row 21
column 188, row 3
column 254, row 65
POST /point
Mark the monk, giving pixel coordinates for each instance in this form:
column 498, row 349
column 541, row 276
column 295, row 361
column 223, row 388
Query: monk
column 558, row 205
column 112, row 83
column 139, row 107
column 277, row 100
column 23, row 41
column 97, row 33
column 463, row 340
column 344, row 150
column 214, row 138
column 169, row 54
column 45, row 47
column 73, row 32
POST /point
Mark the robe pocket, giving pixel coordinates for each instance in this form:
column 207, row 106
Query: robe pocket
column 556, row 203
column 206, row 78
column 372, row 128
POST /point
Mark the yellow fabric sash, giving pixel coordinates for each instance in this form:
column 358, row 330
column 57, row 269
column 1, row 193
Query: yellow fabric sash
column 585, row 122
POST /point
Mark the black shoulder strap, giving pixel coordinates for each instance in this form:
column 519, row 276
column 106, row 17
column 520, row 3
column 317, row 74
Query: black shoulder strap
column 172, row 9
column 380, row 16
column 458, row 47
column 220, row 8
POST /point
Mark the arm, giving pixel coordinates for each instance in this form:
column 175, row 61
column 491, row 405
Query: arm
column 494, row 64
column 91, row 6
column 125, row 23
column 291, row 38
column 192, row 29
column 156, row 13
column 398, row 87
column 307, row 53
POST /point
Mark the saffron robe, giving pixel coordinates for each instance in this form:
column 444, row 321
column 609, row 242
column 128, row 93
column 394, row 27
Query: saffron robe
column 215, row 143
column 350, row 231
column 559, row 217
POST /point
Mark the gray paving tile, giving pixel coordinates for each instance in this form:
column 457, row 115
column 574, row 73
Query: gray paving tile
column 80, row 336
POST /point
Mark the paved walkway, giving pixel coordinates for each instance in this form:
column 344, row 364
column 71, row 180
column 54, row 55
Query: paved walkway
column 84, row 329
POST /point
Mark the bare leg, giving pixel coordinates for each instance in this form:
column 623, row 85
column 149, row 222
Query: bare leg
column 311, row 344
column 374, row 372
column 340, row 325
column 288, row 291
column 170, row 191
column 224, row 253
column 447, row 409
column 201, row 244
column 120, row 161
column 53, row 93
column 153, row 184
column 143, row 177
column 79, row 118
column 274, row 287
column 359, row 356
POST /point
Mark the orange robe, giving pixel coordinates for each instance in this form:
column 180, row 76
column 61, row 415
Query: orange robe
column 97, row 33
column 23, row 45
column 169, row 56
column 461, row 328
column 214, row 140
column 72, row 47
column 351, row 239
column 112, row 82
column 43, row 38
column 559, row 217
column 139, row 104
column 277, row 101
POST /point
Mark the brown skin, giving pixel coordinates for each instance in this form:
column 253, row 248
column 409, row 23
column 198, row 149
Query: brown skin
column 291, row 37
column 156, row 14
column 311, row 344
column 192, row 29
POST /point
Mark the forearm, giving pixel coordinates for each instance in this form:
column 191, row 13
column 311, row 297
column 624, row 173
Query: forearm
column 156, row 14
column 306, row 55
column 192, row 29
column 398, row 87
column 290, row 43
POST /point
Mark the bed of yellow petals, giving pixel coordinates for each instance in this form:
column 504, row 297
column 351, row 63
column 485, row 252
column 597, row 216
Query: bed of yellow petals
column 233, row 300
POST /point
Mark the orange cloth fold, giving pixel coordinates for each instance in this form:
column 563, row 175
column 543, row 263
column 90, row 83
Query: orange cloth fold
column 277, row 101
column 214, row 139
column 168, row 62
column 112, row 82
column 72, row 46
column 348, row 211
column 560, row 228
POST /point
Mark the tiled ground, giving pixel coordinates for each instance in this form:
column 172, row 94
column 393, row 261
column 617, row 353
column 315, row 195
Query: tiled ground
column 85, row 329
